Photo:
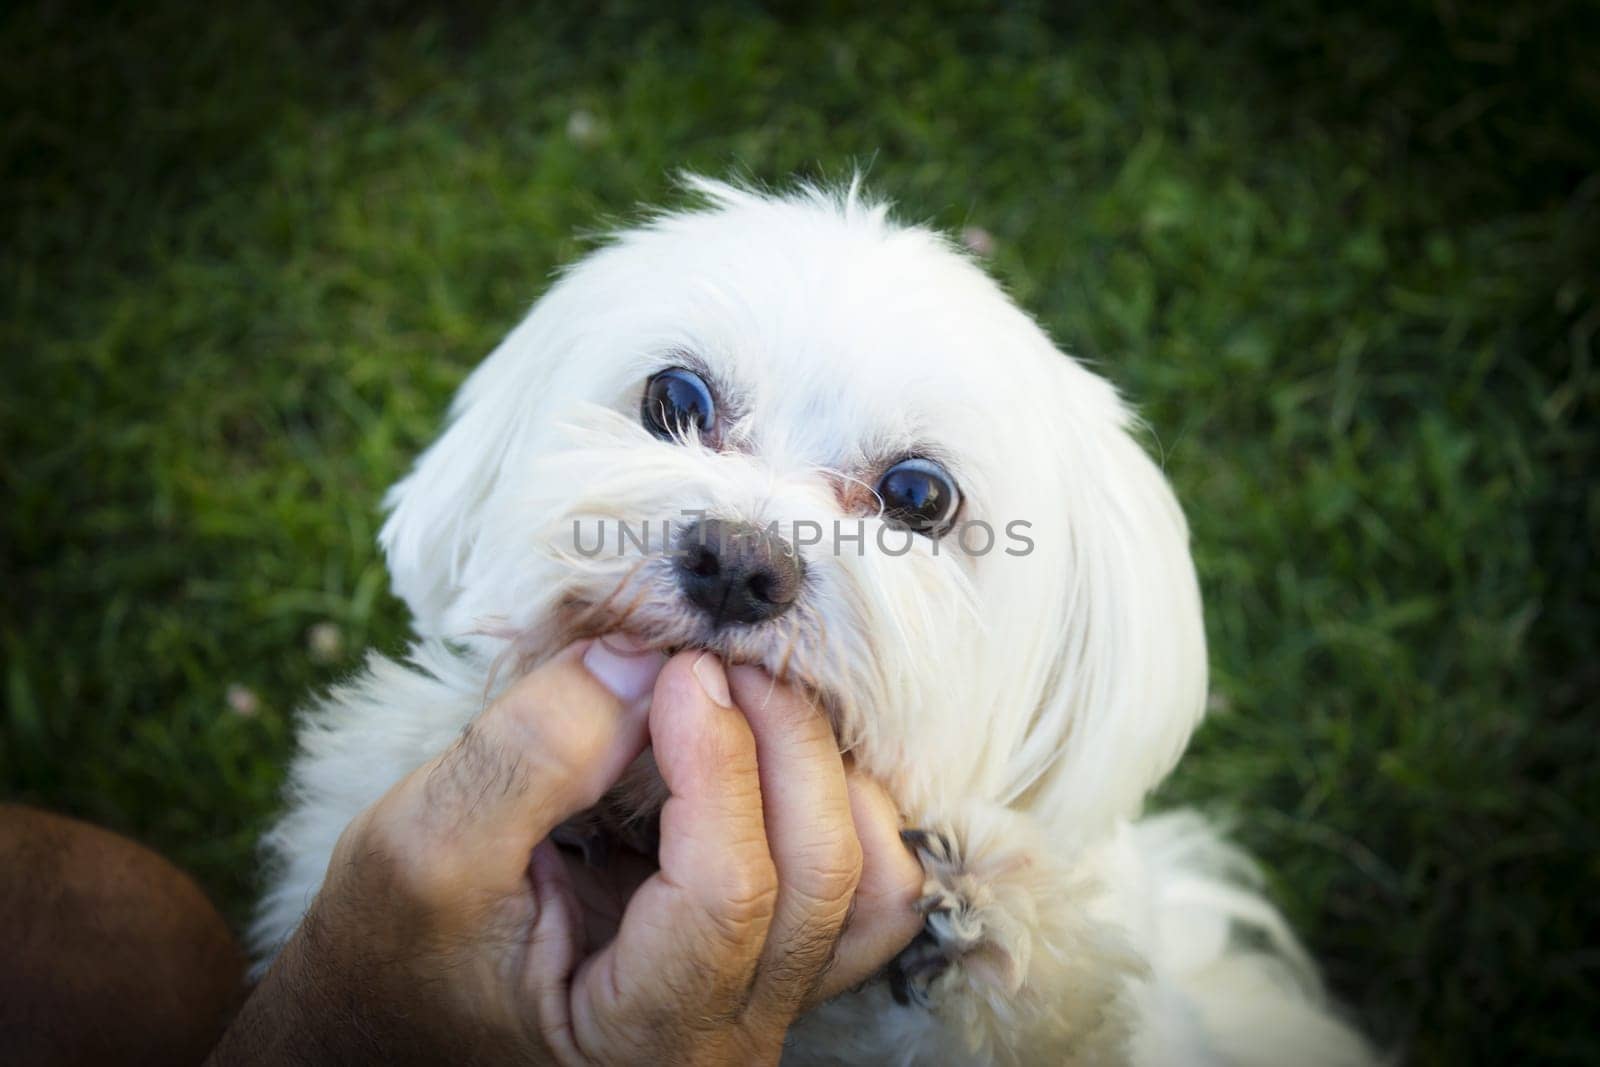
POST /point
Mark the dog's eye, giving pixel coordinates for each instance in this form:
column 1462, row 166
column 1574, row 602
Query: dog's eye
column 919, row 495
column 676, row 400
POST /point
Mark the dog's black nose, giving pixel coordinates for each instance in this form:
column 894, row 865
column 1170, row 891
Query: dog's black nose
column 736, row 572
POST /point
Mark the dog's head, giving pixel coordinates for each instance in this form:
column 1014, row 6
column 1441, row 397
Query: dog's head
column 798, row 433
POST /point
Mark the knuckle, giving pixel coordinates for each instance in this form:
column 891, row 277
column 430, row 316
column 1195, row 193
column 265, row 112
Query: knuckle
column 476, row 765
column 536, row 738
column 833, row 871
column 571, row 742
column 548, row 723
column 753, row 887
column 749, row 897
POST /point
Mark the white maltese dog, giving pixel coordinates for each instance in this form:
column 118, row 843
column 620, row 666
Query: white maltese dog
column 791, row 430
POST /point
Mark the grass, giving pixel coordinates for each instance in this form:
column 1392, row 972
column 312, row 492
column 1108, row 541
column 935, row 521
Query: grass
column 1345, row 258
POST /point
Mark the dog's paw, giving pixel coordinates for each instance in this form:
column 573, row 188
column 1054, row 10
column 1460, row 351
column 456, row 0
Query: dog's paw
column 967, row 936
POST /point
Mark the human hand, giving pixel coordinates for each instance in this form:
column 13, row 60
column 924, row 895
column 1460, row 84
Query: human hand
column 450, row 927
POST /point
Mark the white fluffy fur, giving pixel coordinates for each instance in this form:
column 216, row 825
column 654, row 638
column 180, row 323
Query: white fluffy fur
column 1024, row 705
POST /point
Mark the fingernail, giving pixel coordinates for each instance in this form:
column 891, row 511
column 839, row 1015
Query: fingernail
column 713, row 679
column 624, row 665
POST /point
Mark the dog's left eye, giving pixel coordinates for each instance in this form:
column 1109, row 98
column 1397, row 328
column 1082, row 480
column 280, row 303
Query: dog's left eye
column 676, row 400
column 919, row 495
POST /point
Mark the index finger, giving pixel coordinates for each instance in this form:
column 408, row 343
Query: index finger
column 683, row 959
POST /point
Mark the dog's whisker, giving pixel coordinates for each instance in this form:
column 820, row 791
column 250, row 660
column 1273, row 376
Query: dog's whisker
column 604, row 606
column 621, row 621
column 788, row 649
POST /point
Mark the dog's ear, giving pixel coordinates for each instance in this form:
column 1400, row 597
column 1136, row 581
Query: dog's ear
column 1128, row 681
column 433, row 513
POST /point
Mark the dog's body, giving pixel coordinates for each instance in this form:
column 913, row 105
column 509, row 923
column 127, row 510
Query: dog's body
column 1018, row 700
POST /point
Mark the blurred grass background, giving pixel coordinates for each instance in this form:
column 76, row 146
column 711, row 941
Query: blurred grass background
column 1346, row 257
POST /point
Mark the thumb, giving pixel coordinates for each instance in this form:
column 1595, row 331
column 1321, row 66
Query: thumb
column 546, row 749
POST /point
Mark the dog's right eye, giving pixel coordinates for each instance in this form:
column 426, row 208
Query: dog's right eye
column 676, row 400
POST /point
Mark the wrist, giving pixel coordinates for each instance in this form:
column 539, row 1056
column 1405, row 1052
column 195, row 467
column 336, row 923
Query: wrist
column 296, row 1014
